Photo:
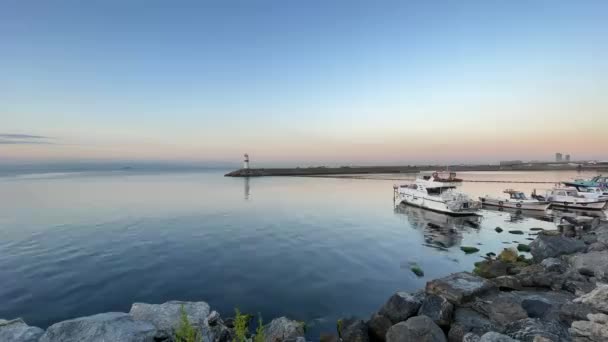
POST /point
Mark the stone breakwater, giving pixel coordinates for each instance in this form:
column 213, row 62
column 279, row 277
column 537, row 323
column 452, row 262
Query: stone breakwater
column 559, row 295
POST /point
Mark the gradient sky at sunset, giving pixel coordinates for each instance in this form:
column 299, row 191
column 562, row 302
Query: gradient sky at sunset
column 303, row 81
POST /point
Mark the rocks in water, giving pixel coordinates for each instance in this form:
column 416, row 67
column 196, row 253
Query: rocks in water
column 166, row 316
column 508, row 255
column 17, row 331
column 597, row 299
column 591, row 264
column 467, row 320
column 111, row 326
column 507, row 283
column 417, row 270
column 352, row 330
column 493, row 336
column 469, row 250
column 527, row 329
column 378, row 325
column 536, row 229
column 516, row 232
column 401, row 306
column 282, row 329
column 491, row 268
column 594, row 329
column 419, row 328
column 553, row 265
column 523, row 247
column 498, row 230
column 490, row 254
column 460, row 287
column 548, row 245
column 438, row 309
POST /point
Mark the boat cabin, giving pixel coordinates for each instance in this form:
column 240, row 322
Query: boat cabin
column 515, row 195
column 564, row 192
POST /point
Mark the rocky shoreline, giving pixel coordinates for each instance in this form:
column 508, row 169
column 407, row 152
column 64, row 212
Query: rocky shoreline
column 559, row 295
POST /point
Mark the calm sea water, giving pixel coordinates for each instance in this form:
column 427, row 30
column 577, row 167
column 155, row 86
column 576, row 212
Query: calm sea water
column 314, row 249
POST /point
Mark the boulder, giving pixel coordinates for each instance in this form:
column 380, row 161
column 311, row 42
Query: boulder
column 491, row 268
column 507, row 283
column 419, row 328
column 571, row 312
column 537, row 276
column 470, row 337
column 597, row 299
column 467, row 320
column 16, row 330
column 401, row 306
column 501, row 309
column 595, row 329
column 378, row 325
column 550, row 246
column 527, row 329
column 438, row 309
column 553, row 265
column 111, row 326
column 282, row 329
column 460, row 287
column 591, row 264
column 597, row 247
column 328, row 337
column 166, row 317
column 353, row 330
column 535, row 308
column 493, row 336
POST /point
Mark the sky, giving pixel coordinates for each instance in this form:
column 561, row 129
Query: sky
column 303, row 82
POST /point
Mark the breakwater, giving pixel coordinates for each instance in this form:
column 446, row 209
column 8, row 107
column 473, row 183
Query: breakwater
column 559, row 294
column 354, row 170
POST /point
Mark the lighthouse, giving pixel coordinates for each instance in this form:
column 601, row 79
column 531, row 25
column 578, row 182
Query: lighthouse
column 246, row 161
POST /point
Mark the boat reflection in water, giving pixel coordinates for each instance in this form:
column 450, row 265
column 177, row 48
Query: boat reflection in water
column 440, row 230
column 559, row 213
column 519, row 215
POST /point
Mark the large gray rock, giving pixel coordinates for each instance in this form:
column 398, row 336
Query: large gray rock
column 595, row 329
column 401, row 306
column 591, row 264
column 507, row 283
column 467, row 320
column 17, row 331
column 501, row 309
column 378, row 325
column 166, row 317
column 493, row 336
column 527, row 329
column 354, row 330
column 438, row 309
column 419, row 329
column 597, row 299
column 553, row 265
column 553, row 245
column 460, row 287
column 111, row 326
column 571, row 312
column 470, row 337
column 283, row 329
column 537, row 276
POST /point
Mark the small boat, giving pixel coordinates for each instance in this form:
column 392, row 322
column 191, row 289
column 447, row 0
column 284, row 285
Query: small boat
column 433, row 191
column 570, row 198
column 593, row 192
column 595, row 182
column 516, row 200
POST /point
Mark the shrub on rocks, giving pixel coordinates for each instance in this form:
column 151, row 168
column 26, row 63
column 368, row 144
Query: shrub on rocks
column 166, row 317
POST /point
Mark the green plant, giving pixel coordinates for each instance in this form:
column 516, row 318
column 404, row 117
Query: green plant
column 241, row 326
column 185, row 332
column 417, row 270
column 339, row 327
column 260, row 335
column 508, row 255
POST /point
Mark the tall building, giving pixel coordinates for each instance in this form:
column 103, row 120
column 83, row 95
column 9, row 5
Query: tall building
column 567, row 157
column 558, row 157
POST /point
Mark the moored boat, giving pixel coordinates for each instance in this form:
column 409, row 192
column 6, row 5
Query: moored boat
column 515, row 200
column 570, row 198
column 433, row 191
column 595, row 182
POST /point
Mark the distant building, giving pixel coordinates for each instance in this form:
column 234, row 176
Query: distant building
column 558, row 157
column 510, row 162
column 567, row 157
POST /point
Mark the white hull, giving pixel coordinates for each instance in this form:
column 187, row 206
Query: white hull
column 434, row 203
column 584, row 205
column 515, row 204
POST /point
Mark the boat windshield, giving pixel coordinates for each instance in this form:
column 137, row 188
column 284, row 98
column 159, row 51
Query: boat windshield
column 438, row 190
column 518, row 195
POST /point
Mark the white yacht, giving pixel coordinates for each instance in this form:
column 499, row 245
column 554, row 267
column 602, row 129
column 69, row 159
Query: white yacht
column 516, row 200
column 434, row 192
column 571, row 198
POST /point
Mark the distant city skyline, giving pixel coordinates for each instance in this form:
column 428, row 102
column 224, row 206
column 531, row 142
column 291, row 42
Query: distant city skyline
column 303, row 83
